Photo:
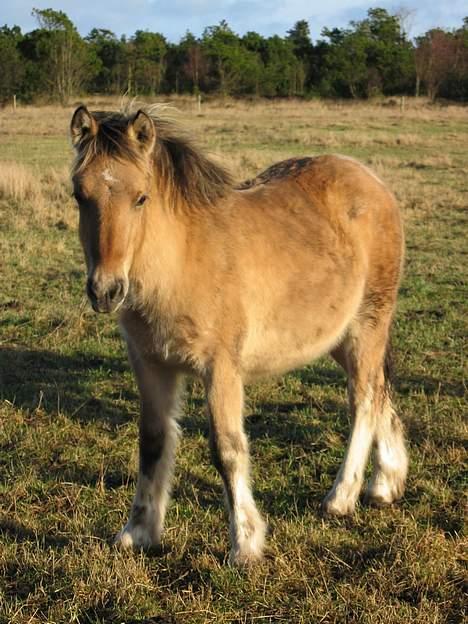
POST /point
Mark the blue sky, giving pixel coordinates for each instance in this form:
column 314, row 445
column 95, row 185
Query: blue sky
column 174, row 17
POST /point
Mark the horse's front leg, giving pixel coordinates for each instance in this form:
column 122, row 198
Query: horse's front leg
column 230, row 456
column 160, row 389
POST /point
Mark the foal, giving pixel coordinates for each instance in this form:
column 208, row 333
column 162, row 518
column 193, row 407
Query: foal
column 231, row 284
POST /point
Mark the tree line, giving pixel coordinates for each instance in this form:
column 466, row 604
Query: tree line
column 374, row 56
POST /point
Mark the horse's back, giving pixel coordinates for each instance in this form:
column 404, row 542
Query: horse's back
column 337, row 187
column 329, row 210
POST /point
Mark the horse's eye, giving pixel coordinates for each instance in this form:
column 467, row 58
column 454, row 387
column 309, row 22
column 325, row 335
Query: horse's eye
column 141, row 200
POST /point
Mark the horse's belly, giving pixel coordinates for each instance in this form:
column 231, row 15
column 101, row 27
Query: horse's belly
column 287, row 341
column 274, row 353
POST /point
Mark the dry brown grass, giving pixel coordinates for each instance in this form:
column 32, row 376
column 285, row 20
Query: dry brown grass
column 43, row 197
column 19, row 183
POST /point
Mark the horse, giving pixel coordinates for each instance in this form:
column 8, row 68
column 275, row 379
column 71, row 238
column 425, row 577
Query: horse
column 230, row 283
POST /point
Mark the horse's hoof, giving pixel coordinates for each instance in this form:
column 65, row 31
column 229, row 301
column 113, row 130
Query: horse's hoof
column 334, row 507
column 135, row 537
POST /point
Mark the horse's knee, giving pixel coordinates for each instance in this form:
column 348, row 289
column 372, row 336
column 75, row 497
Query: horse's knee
column 227, row 450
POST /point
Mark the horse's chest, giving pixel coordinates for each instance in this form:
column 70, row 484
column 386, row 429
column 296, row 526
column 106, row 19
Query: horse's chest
column 172, row 341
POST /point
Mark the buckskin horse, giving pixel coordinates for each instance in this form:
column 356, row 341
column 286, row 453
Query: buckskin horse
column 231, row 283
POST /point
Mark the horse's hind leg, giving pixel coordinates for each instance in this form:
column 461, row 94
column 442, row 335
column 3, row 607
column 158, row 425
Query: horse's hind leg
column 390, row 460
column 160, row 389
column 230, row 455
column 362, row 353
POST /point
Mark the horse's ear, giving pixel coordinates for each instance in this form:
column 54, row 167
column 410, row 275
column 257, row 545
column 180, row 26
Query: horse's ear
column 83, row 124
column 142, row 130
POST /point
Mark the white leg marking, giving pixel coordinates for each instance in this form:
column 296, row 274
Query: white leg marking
column 247, row 526
column 145, row 525
column 390, row 459
column 230, row 455
column 342, row 498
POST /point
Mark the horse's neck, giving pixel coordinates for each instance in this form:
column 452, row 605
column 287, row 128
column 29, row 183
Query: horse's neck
column 159, row 262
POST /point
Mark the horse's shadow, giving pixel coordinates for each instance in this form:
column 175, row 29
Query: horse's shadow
column 37, row 378
column 53, row 382
column 19, row 533
column 31, row 379
column 57, row 382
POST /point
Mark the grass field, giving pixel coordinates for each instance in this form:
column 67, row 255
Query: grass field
column 69, row 408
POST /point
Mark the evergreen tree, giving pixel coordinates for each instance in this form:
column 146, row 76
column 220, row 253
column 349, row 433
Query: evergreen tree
column 148, row 54
column 299, row 36
column 371, row 56
column 233, row 68
column 13, row 68
column 111, row 61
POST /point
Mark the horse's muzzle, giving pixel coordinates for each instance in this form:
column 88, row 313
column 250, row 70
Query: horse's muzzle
column 106, row 298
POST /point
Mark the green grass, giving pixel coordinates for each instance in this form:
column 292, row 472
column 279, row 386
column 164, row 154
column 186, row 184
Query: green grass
column 42, row 151
column 69, row 412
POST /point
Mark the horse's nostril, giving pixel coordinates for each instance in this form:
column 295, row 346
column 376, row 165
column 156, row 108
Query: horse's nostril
column 105, row 295
column 116, row 290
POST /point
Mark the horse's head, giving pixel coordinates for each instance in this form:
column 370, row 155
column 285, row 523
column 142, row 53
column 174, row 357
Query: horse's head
column 112, row 179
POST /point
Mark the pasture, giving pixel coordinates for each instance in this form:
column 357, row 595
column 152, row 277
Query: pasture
column 69, row 408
